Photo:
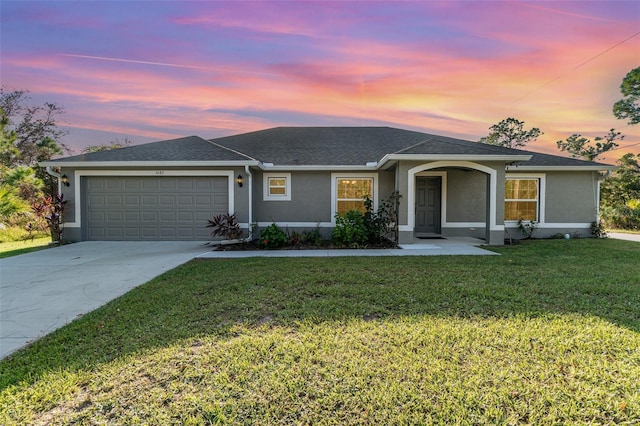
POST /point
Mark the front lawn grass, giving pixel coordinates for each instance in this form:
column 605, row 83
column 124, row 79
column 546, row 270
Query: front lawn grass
column 14, row 248
column 547, row 333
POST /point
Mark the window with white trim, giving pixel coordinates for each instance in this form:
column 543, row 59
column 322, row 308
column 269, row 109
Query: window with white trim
column 351, row 192
column 521, row 199
column 277, row 187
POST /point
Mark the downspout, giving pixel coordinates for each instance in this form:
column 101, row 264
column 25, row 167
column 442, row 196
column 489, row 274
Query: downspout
column 250, row 176
column 250, row 236
column 600, row 178
column 56, row 175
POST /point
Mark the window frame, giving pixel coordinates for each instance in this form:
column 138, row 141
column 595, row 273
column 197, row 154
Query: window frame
column 334, row 189
column 266, row 186
column 540, row 201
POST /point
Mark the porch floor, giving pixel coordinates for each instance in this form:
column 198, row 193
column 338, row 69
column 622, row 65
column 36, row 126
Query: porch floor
column 448, row 246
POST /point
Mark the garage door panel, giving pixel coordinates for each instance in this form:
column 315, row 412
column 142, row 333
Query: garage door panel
column 131, row 200
column 149, row 216
column 167, row 217
column 148, row 184
column 114, row 216
column 132, row 216
column 153, row 208
column 114, row 232
column 113, row 185
column 113, row 200
column 166, row 200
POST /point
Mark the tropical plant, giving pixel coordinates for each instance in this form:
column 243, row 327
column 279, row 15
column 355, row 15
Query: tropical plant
column 51, row 209
column 225, row 225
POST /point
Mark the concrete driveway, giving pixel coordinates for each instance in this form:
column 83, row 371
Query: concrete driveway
column 44, row 290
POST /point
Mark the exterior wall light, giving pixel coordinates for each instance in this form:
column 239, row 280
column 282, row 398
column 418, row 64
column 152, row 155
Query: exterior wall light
column 240, row 180
column 65, row 180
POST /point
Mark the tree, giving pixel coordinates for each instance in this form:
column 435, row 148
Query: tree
column 10, row 204
column 34, row 129
column 580, row 147
column 628, row 108
column 510, row 133
column 624, row 184
column 114, row 144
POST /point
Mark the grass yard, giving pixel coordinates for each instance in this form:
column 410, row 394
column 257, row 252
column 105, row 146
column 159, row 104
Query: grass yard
column 547, row 333
column 14, row 248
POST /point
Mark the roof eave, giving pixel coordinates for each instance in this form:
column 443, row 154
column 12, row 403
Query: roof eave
column 594, row 168
column 451, row 157
column 105, row 164
column 316, row 167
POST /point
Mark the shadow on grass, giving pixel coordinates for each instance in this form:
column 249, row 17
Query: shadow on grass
column 208, row 297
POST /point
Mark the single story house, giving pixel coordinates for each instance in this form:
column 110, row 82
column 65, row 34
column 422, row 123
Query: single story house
column 300, row 177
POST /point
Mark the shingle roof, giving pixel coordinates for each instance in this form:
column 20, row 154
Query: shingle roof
column 314, row 146
column 361, row 145
column 190, row 148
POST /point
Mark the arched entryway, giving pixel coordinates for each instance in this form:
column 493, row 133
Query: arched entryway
column 427, row 199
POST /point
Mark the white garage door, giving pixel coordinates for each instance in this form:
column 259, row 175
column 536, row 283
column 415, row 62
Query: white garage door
column 154, row 208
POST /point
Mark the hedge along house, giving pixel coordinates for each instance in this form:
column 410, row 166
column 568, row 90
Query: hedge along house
column 300, row 177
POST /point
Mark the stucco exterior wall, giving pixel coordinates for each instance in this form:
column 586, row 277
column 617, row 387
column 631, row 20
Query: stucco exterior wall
column 466, row 196
column 311, row 200
column 571, row 197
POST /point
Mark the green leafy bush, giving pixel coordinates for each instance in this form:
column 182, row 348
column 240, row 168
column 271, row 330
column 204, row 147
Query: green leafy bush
column 350, row 229
column 354, row 228
column 312, row 238
column 272, row 237
column 625, row 216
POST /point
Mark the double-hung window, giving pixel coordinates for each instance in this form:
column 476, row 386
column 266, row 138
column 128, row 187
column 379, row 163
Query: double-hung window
column 277, row 187
column 522, row 199
column 351, row 192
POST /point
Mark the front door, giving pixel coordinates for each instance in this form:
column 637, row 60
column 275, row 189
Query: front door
column 428, row 190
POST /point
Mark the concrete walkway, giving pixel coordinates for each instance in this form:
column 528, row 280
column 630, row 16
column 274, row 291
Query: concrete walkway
column 439, row 247
column 623, row 236
column 44, row 290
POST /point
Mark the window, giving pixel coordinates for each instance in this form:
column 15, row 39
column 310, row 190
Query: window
column 277, row 187
column 521, row 198
column 351, row 192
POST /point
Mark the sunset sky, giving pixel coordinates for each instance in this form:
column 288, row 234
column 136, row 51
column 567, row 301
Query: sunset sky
column 154, row 70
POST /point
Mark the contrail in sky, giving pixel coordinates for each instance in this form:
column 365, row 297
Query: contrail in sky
column 164, row 64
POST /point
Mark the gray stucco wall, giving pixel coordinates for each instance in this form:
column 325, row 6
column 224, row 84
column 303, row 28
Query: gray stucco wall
column 571, row 197
column 466, row 196
column 310, row 197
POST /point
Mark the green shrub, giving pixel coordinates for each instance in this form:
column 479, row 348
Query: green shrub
column 312, row 238
column 350, row 229
column 272, row 237
column 354, row 228
column 625, row 216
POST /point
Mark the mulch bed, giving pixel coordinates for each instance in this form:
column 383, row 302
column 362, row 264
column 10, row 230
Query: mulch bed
column 327, row 245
